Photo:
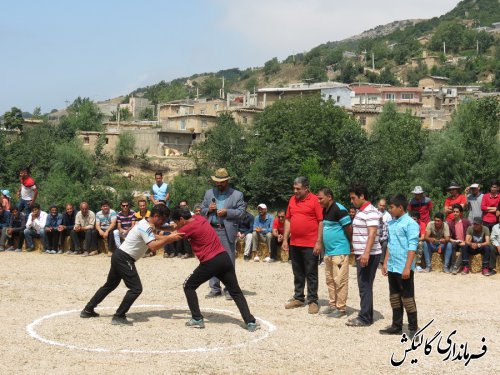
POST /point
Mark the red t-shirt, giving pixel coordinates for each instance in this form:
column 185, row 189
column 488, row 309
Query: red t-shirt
column 28, row 181
column 203, row 238
column 304, row 216
column 449, row 202
column 489, row 201
column 280, row 226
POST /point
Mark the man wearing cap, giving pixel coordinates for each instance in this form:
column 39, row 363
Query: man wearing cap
column 474, row 199
column 421, row 204
column 224, row 207
column 489, row 205
column 454, row 198
column 262, row 230
column 245, row 229
column 5, row 200
column 477, row 241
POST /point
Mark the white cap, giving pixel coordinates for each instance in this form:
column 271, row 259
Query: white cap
column 474, row 186
column 262, row 205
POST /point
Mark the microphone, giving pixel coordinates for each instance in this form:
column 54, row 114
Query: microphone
column 218, row 217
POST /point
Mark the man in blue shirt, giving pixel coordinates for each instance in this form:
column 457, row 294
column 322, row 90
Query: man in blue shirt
column 337, row 233
column 262, row 230
column 159, row 190
column 399, row 266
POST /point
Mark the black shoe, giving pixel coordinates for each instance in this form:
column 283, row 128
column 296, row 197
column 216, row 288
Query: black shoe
column 227, row 296
column 391, row 330
column 88, row 314
column 246, row 258
column 213, row 294
column 121, row 321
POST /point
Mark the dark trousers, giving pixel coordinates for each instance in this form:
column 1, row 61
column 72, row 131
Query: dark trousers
column 122, row 268
column 51, row 240
column 110, row 240
column 88, row 235
column 221, row 267
column 402, row 295
column 19, row 232
column 383, row 245
column 274, row 247
column 183, row 247
column 467, row 251
column 305, row 267
column 62, row 239
column 366, row 276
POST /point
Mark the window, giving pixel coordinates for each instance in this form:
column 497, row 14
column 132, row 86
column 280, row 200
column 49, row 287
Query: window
column 86, row 140
column 202, row 111
column 216, row 107
column 362, row 120
column 330, row 97
column 107, row 140
column 204, row 124
column 407, row 95
column 176, row 140
column 245, row 119
column 338, row 99
column 183, row 125
column 390, row 96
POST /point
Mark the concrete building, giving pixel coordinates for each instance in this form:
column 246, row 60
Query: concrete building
column 432, row 82
column 137, row 105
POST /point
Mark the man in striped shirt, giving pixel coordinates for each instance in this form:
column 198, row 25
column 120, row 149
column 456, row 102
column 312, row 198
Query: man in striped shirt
column 366, row 246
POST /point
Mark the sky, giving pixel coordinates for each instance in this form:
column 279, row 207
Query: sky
column 54, row 51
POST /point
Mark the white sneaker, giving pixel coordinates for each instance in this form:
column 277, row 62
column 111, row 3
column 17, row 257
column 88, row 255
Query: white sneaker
column 47, row 251
column 53, row 252
column 256, row 259
column 60, row 252
column 267, row 259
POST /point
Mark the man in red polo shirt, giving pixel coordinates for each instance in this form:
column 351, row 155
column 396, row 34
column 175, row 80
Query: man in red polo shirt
column 489, row 206
column 304, row 226
column 454, row 198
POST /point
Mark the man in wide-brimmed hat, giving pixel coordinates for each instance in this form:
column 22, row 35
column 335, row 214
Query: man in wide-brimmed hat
column 421, row 204
column 223, row 206
column 454, row 198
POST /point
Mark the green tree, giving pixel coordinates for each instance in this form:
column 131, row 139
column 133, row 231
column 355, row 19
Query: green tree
column 211, row 87
column 125, row 148
column 450, row 33
column 125, row 114
column 147, row 114
column 84, row 115
column 315, row 72
column 37, row 113
column 13, row 119
column 252, row 84
column 271, row 66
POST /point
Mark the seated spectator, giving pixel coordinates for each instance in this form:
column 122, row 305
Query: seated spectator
column 495, row 247
column 454, row 198
column 54, row 219
column 437, row 237
column 84, row 229
column 415, row 215
column 105, row 222
column 477, row 241
column 143, row 212
column 197, row 209
column 125, row 221
column 35, row 226
column 16, row 228
column 67, row 225
column 4, row 223
column 474, row 199
column 6, row 200
column 458, row 229
column 489, row 205
column 262, row 229
column 278, row 231
column 421, row 204
column 245, row 229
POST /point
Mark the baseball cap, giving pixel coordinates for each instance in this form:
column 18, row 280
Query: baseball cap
column 474, row 186
column 477, row 220
column 263, row 206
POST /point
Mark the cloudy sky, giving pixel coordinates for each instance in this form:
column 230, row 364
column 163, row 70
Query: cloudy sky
column 54, row 51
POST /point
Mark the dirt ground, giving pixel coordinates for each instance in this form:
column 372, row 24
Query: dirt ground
column 42, row 333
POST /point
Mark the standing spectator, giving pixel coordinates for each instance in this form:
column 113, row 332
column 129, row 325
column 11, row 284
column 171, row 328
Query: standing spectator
column 84, row 228
column 278, row 234
column 383, row 227
column 437, row 238
column 416, row 216
column 4, row 223
column 125, row 220
column 262, row 230
column 54, row 219
column 27, row 192
column 454, row 198
column 245, row 229
column 489, row 205
column 458, row 229
column 352, row 213
column 495, row 247
column 67, row 225
column 6, row 200
column 304, row 228
column 337, row 233
column 159, row 190
column 143, row 212
column 399, row 266
column 35, row 226
column 105, row 222
column 477, row 241
column 16, row 229
column 474, row 199
column 367, row 249
column 224, row 207
column 421, row 204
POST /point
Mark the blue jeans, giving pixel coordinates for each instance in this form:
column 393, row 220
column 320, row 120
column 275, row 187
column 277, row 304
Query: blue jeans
column 431, row 248
column 24, row 206
column 29, row 233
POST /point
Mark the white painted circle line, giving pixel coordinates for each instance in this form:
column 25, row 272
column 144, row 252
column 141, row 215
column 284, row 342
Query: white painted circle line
column 31, row 330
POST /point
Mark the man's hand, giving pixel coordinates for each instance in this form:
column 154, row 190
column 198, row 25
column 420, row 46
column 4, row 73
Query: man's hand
column 258, row 229
column 363, row 259
column 474, row 246
column 384, row 269
column 222, row 212
column 177, row 235
column 318, row 246
column 280, row 237
column 284, row 245
column 77, row 228
column 9, row 231
column 406, row 274
column 60, row 228
column 212, row 207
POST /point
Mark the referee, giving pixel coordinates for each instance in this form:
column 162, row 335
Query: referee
column 140, row 238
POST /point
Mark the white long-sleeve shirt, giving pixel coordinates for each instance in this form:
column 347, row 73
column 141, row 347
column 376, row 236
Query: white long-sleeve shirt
column 39, row 223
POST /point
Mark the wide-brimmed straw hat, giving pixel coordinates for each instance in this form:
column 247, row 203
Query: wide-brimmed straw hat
column 221, row 175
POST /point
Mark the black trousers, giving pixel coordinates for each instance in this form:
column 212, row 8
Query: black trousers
column 88, row 235
column 274, row 247
column 305, row 267
column 366, row 276
column 52, row 239
column 122, row 268
column 19, row 232
column 183, row 247
column 62, row 239
column 221, row 267
column 402, row 295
